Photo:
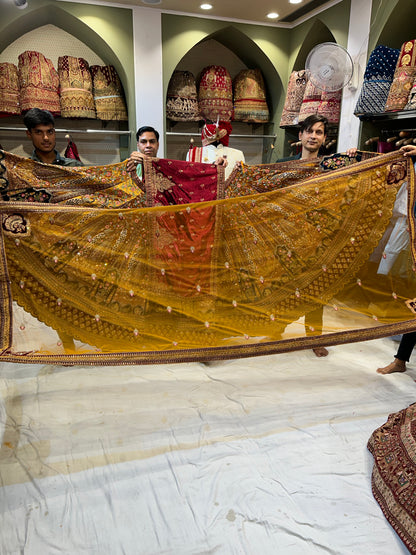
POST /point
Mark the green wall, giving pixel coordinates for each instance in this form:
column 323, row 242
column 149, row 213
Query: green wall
column 392, row 23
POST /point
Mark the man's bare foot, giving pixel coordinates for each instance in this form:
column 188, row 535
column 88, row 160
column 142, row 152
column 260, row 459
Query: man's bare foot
column 320, row 351
column 396, row 366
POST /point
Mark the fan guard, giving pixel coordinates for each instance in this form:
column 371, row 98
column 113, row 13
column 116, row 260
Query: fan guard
column 329, row 66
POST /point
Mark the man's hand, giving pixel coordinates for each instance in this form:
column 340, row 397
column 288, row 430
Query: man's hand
column 221, row 161
column 351, row 152
column 135, row 159
column 408, row 150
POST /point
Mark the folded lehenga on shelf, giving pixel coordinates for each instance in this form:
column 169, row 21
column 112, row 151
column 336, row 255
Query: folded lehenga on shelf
column 89, row 274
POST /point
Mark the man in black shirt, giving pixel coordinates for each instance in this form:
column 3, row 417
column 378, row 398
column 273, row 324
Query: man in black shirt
column 41, row 131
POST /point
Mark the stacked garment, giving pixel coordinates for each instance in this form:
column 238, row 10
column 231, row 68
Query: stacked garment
column 294, row 97
column 38, row 83
column 77, row 100
column 108, row 94
column 215, row 94
column 404, row 76
column 378, row 77
column 311, row 101
column 182, row 97
column 9, row 89
column 330, row 105
column 318, row 101
column 250, row 103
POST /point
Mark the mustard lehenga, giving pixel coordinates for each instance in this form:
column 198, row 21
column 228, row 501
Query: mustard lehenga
column 182, row 273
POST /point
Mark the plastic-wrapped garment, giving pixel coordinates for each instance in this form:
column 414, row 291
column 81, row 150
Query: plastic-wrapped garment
column 250, row 103
column 9, row 89
column 38, row 83
column 76, row 96
column 108, row 93
column 182, row 98
column 215, row 95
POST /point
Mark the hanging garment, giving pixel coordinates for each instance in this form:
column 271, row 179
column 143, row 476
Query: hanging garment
column 182, row 98
column 378, row 77
column 38, row 83
column 215, row 95
column 250, row 97
column 213, row 279
column 76, row 88
column 9, row 89
column 294, row 96
column 71, row 150
column 404, row 76
column 108, row 92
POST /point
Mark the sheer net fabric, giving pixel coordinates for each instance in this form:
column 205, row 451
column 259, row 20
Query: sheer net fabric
column 89, row 274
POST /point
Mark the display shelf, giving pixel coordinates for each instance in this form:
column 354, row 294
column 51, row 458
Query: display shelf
column 73, row 131
column 383, row 117
column 385, row 126
column 239, row 135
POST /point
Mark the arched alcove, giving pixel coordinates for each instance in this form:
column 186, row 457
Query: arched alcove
column 74, row 26
column 234, row 50
column 54, row 32
column 317, row 34
column 398, row 28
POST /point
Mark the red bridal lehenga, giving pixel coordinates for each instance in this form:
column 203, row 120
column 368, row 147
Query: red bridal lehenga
column 93, row 270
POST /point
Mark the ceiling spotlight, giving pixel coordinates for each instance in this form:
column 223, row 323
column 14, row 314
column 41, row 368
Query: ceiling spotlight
column 295, row 1
column 272, row 15
column 152, row 1
column 206, row 6
column 21, row 4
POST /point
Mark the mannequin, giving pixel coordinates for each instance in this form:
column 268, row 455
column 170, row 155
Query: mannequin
column 215, row 138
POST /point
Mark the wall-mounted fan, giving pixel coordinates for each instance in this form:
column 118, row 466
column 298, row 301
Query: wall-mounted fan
column 329, row 66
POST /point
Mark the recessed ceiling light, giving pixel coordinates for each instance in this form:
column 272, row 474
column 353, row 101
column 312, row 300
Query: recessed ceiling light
column 272, row 15
column 295, row 1
column 152, row 1
column 205, row 6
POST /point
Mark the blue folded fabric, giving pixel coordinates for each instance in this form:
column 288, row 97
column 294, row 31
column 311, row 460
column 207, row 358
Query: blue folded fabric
column 378, row 77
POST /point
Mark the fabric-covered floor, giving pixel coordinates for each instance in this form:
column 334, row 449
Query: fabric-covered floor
column 256, row 456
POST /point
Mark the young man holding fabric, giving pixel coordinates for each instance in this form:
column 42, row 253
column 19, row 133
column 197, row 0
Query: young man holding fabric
column 312, row 134
column 41, row 131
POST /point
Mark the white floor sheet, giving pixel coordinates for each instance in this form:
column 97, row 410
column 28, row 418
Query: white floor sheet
column 263, row 456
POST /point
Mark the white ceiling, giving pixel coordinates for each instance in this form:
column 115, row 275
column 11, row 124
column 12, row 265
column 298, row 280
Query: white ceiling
column 237, row 10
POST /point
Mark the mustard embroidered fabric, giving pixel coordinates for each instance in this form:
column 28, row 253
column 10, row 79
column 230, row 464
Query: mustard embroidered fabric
column 101, row 277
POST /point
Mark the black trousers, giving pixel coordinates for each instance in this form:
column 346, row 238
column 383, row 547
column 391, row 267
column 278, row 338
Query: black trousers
column 406, row 346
